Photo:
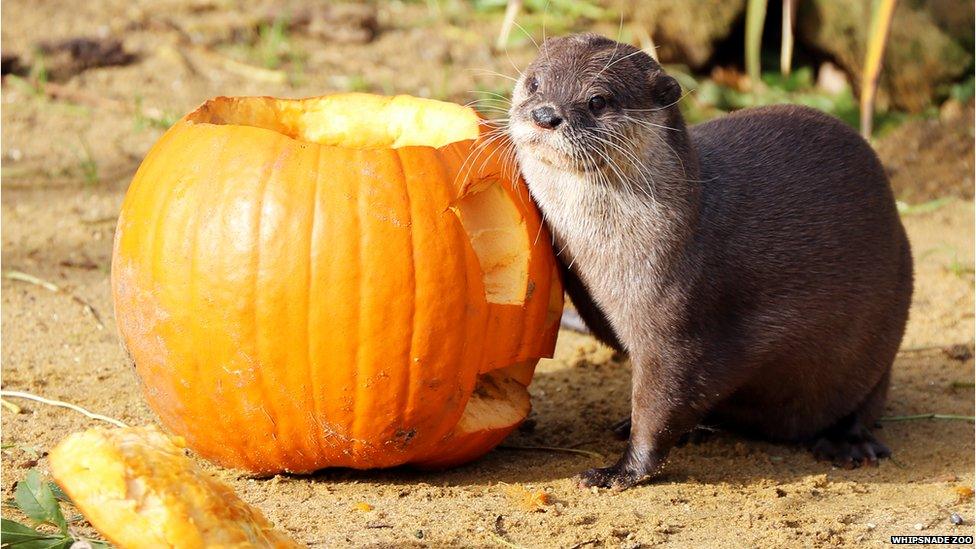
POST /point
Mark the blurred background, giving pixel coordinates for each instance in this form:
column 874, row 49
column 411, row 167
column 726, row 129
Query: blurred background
column 88, row 86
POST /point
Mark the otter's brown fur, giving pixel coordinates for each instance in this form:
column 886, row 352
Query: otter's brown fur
column 754, row 267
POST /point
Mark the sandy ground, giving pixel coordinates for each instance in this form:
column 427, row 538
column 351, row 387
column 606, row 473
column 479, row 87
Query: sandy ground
column 725, row 492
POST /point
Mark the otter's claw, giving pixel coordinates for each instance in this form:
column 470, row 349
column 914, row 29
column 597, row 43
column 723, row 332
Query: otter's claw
column 609, row 477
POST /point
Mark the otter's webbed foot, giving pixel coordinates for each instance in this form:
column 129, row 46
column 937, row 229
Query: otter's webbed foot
column 849, row 446
column 627, row 472
column 615, row 477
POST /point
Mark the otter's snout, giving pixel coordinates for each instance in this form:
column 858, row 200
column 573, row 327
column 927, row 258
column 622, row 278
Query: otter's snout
column 546, row 117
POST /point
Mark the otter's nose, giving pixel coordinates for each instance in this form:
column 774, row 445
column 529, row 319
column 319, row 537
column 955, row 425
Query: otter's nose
column 546, row 117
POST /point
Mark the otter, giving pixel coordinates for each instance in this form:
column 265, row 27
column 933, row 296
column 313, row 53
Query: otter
column 753, row 267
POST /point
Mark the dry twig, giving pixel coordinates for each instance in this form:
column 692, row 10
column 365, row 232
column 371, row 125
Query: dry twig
column 62, row 404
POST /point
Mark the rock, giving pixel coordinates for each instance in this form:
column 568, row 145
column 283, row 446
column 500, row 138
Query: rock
column 922, row 54
column 956, row 18
column 686, row 32
column 930, row 159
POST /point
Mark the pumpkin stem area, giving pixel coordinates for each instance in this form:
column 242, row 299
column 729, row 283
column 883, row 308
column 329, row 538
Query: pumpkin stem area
column 350, row 120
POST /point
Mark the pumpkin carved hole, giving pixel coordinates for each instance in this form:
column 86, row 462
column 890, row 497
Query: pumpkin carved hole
column 354, row 120
column 500, row 239
column 498, row 401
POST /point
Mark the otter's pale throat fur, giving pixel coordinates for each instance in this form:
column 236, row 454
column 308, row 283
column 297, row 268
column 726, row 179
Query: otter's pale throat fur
column 753, row 267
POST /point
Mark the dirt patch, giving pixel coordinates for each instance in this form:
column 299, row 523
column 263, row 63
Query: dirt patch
column 65, row 168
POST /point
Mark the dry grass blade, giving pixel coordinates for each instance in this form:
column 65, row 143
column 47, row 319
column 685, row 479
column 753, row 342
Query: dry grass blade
column 10, row 406
column 646, row 42
column 786, row 47
column 511, row 12
column 882, row 12
column 21, row 276
column 504, row 541
column 552, row 449
column 914, row 417
column 755, row 19
column 922, row 349
column 89, row 309
column 259, row 74
column 62, row 404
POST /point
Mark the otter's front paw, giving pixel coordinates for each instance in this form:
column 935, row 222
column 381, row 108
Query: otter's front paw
column 616, row 477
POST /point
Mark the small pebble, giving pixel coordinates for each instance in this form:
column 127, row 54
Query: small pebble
column 955, row 519
column 919, row 526
column 419, row 534
column 870, row 526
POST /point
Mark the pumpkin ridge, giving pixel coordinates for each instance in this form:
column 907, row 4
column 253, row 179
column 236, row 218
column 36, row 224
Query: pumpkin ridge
column 155, row 240
column 219, row 427
column 406, row 408
column 360, row 230
column 310, row 277
column 261, row 380
column 227, row 435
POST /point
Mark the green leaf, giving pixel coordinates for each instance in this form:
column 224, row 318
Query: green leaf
column 50, row 543
column 13, row 533
column 37, row 501
column 58, row 492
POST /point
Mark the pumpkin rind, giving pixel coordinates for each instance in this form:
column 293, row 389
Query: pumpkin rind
column 291, row 305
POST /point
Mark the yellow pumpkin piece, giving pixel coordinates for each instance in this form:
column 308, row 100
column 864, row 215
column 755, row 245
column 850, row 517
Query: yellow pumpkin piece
column 137, row 488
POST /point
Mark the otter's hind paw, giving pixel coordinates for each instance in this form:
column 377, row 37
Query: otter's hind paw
column 850, row 450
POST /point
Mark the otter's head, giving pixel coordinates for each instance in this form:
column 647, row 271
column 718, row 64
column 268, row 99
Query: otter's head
column 590, row 104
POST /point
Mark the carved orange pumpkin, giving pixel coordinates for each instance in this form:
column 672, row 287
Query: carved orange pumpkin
column 349, row 280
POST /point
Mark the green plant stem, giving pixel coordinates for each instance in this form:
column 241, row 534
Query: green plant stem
column 882, row 12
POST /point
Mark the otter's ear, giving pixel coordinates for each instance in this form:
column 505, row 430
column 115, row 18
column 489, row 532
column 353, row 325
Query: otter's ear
column 667, row 91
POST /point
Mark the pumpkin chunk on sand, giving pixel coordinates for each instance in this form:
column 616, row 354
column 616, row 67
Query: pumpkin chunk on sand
column 137, row 488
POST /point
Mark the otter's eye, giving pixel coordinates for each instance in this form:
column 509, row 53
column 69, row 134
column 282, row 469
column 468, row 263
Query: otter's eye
column 532, row 84
column 597, row 103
